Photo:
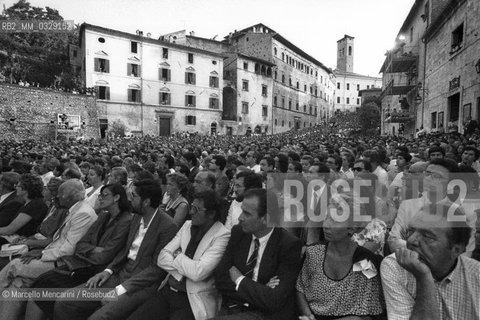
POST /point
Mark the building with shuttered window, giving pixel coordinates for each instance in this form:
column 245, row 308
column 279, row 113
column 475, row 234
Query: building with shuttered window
column 155, row 87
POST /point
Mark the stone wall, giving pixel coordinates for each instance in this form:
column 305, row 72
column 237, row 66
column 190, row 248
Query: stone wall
column 34, row 108
column 443, row 65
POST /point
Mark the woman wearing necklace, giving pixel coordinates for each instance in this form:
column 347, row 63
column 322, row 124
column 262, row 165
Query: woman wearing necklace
column 177, row 205
column 96, row 175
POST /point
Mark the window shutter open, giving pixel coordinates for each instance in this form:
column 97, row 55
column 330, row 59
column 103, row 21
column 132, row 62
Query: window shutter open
column 97, row 64
column 186, row 101
column 107, row 93
column 139, row 68
column 194, row 120
column 129, row 69
column 160, row 74
column 129, row 94
column 194, row 78
column 138, row 95
column 97, row 92
column 194, row 101
column 186, row 77
column 186, row 119
column 107, row 66
column 169, row 75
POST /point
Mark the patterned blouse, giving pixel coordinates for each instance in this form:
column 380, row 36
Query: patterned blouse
column 354, row 295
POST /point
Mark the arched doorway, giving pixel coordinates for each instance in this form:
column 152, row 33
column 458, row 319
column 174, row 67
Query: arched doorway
column 213, row 128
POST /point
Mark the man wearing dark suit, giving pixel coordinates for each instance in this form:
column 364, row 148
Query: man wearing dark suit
column 10, row 203
column 135, row 267
column 258, row 271
column 190, row 160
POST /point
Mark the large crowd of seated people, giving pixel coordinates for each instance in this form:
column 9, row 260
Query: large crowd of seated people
column 301, row 225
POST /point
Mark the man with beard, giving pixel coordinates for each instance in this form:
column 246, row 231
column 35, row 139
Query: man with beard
column 134, row 268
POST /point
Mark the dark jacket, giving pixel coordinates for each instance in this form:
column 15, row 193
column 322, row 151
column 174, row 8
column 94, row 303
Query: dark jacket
column 9, row 208
column 145, row 271
column 282, row 258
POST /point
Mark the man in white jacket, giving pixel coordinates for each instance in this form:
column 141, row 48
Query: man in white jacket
column 22, row 272
column 190, row 258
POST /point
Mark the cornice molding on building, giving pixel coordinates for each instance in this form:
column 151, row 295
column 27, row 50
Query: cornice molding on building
column 444, row 16
column 102, row 30
column 164, row 107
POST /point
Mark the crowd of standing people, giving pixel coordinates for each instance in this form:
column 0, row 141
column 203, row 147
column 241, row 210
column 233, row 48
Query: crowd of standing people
column 202, row 227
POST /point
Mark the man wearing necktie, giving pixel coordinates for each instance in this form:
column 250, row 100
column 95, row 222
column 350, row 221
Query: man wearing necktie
column 256, row 276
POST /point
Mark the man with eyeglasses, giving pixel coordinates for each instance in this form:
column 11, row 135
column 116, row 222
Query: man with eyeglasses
column 135, row 267
column 430, row 278
column 190, row 259
column 243, row 181
column 437, row 175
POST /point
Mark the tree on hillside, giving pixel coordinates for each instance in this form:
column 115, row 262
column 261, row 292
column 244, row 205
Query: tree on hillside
column 369, row 118
column 35, row 56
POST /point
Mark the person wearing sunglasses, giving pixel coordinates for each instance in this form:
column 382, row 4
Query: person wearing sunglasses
column 361, row 166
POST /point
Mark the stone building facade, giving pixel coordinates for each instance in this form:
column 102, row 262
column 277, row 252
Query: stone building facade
column 431, row 80
column 452, row 75
column 35, row 113
column 403, row 71
column 302, row 87
column 152, row 86
column 348, row 84
column 247, row 95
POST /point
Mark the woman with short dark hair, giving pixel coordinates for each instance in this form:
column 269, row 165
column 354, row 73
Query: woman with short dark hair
column 98, row 247
column 340, row 278
column 29, row 217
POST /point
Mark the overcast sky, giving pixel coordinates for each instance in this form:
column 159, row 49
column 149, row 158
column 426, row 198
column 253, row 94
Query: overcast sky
column 312, row 25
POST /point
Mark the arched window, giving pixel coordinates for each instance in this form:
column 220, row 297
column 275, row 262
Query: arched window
column 349, row 50
column 275, row 51
column 283, row 56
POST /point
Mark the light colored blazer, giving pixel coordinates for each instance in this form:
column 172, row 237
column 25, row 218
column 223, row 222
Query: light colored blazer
column 76, row 224
column 204, row 299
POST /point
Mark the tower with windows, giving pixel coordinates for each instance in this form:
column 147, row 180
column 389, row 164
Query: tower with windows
column 345, row 51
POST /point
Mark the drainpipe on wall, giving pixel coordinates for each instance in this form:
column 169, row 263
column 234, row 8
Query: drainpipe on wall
column 423, row 82
column 141, row 85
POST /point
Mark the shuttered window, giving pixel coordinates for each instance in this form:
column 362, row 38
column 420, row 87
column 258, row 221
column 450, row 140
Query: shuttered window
column 102, row 65
column 164, row 74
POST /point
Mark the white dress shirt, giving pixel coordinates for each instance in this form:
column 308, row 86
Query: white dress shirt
column 263, row 243
column 234, row 213
column 132, row 253
column 137, row 242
